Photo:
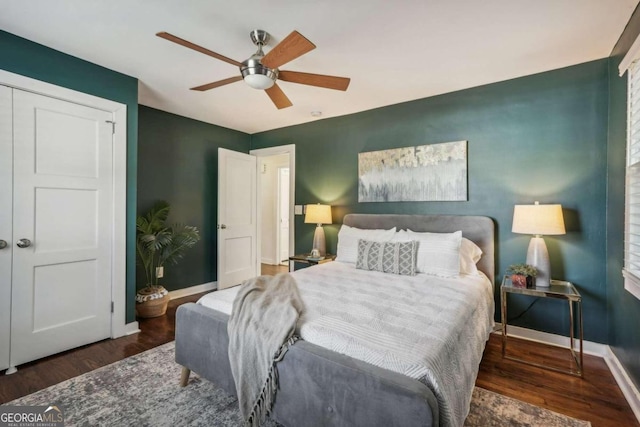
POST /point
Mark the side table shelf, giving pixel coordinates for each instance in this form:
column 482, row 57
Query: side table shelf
column 306, row 259
column 560, row 290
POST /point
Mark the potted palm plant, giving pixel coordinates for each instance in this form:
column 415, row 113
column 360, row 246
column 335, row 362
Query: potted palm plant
column 523, row 275
column 156, row 245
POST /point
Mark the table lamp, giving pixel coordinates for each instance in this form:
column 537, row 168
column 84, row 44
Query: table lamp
column 318, row 214
column 538, row 220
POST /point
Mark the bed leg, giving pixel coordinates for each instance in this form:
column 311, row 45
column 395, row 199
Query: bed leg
column 184, row 377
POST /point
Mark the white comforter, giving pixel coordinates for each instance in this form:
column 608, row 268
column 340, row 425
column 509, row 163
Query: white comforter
column 428, row 328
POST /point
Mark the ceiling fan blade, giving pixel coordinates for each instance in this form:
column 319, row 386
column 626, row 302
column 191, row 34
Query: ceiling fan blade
column 293, row 46
column 219, row 83
column 278, row 97
column 185, row 43
column 320, row 80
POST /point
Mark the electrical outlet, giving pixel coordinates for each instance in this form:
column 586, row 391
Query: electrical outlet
column 297, row 210
column 159, row 272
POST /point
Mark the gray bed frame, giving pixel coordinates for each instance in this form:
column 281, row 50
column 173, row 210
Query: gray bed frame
column 319, row 387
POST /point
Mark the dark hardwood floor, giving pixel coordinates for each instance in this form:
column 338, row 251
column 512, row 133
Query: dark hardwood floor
column 595, row 398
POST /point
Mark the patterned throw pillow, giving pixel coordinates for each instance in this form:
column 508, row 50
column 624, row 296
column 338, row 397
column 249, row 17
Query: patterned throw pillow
column 388, row 257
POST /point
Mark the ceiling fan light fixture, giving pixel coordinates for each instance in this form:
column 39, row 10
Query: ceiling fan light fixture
column 257, row 75
column 259, row 81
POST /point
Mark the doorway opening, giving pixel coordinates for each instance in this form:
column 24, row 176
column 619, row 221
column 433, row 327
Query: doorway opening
column 274, row 212
column 276, row 178
column 282, row 233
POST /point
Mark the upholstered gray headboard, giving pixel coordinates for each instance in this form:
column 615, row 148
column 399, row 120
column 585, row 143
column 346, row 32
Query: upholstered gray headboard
column 478, row 229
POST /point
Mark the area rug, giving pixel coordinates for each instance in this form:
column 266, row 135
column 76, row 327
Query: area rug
column 143, row 390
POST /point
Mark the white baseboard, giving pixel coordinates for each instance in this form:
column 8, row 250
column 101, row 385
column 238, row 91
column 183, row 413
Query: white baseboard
column 131, row 328
column 590, row 347
column 205, row 287
column 624, row 382
column 268, row 261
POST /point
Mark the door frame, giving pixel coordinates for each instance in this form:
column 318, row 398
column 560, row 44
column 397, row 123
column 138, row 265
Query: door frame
column 279, row 181
column 289, row 149
column 119, row 327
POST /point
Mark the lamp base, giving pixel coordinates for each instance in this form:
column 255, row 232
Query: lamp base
column 319, row 242
column 538, row 256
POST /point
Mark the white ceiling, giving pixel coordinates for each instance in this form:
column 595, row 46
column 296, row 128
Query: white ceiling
column 394, row 51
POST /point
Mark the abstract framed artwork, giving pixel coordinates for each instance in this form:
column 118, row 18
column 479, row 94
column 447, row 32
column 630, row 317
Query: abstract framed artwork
column 436, row 172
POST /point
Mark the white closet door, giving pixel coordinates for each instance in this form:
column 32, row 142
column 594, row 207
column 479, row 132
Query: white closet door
column 6, row 209
column 61, row 296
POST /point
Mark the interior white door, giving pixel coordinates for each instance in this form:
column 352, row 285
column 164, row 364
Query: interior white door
column 237, row 218
column 62, row 239
column 6, row 181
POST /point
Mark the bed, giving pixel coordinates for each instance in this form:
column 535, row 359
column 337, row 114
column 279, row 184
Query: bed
column 319, row 386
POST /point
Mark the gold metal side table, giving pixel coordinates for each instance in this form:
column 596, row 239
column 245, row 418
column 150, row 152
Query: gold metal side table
column 560, row 290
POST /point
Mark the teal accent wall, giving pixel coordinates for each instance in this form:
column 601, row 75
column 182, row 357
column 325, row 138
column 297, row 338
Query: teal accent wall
column 179, row 163
column 624, row 308
column 541, row 137
column 24, row 57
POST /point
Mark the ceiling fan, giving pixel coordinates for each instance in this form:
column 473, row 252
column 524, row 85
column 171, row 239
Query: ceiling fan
column 261, row 71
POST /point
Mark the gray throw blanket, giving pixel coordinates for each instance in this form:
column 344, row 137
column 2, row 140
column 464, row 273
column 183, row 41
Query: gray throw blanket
column 261, row 329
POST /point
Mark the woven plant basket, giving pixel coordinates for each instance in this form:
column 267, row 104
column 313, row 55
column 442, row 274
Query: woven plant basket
column 152, row 302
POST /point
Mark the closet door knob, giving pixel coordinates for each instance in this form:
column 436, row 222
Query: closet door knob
column 3, row 244
column 24, row 243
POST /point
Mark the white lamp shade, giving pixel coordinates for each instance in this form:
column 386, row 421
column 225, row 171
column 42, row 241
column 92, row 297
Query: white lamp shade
column 538, row 219
column 259, row 81
column 318, row 214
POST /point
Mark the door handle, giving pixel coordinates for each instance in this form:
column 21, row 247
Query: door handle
column 3, row 244
column 23, row 243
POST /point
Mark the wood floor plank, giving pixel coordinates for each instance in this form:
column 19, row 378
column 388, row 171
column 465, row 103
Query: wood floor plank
column 596, row 398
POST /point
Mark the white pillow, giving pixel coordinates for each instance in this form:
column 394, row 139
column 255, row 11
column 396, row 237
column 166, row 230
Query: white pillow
column 348, row 237
column 438, row 253
column 470, row 254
